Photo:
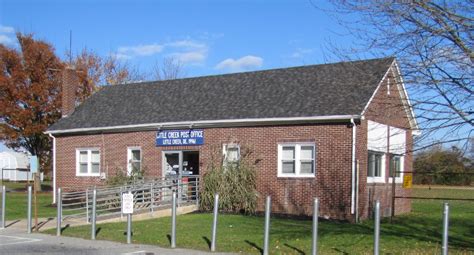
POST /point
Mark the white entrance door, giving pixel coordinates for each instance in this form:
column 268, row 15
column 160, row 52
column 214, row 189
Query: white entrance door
column 172, row 163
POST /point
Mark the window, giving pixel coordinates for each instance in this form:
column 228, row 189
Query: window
column 134, row 160
column 296, row 160
column 231, row 153
column 376, row 169
column 396, row 164
column 87, row 162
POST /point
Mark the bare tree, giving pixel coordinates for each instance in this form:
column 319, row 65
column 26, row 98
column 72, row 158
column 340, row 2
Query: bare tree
column 95, row 70
column 169, row 69
column 433, row 43
column 120, row 72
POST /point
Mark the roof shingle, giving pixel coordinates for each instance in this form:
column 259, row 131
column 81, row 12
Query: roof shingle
column 319, row 90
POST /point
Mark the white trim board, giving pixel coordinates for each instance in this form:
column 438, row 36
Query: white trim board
column 210, row 123
column 403, row 94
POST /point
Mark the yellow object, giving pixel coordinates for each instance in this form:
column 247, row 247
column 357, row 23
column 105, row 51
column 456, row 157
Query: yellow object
column 407, row 181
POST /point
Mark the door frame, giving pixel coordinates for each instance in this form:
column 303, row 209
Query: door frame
column 180, row 160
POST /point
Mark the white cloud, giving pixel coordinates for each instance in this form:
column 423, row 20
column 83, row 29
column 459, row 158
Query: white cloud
column 301, row 52
column 243, row 63
column 6, row 40
column 192, row 57
column 121, row 56
column 140, row 50
column 187, row 44
column 186, row 51
column 189, row 51
column 6, row 30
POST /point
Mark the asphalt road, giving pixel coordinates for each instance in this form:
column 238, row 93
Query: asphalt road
column 16, row 241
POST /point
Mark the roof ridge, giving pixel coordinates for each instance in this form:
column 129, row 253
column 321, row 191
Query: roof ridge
column 155, row 82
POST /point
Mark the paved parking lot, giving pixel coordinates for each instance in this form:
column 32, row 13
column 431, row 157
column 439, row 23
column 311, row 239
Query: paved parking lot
column 14, row 240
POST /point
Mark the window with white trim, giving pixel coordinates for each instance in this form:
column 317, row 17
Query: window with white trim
column 376, row 167
column 231, row 153
column 134, row 160
column 87, row 162
column 296, row 160
column 396, row 164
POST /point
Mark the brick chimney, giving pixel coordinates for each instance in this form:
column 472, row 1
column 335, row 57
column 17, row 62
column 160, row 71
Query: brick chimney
column 70, row 83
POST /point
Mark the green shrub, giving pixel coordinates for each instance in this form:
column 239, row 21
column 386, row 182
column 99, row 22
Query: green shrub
column 121, row 177
column 236, row 185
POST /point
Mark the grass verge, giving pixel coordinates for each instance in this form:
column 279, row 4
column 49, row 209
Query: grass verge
column 17, row 203
column 416, row 233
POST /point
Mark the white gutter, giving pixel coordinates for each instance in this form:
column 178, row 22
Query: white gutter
column 353, row 182
column 54, row 168
column 210, row 123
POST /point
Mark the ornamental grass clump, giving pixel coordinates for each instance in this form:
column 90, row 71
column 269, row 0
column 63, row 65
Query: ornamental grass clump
column 236, row 184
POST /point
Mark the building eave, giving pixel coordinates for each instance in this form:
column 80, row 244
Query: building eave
column 208, row 124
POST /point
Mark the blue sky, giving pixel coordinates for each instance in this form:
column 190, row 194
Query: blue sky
column 208, row 37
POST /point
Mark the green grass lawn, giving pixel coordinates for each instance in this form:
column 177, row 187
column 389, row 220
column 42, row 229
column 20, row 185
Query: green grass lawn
column 15, row 185
column 16, row 201
column 16, row 204
column 416, row 233
column 22, row 186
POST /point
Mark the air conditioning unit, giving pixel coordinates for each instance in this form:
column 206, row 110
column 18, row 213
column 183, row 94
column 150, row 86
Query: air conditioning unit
column 103, row 176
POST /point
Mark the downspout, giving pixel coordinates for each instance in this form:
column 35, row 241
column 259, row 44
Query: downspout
column 54, row 167
column 353, row 161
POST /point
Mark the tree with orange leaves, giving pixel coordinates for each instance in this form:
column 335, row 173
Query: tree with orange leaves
column 30, row 91
column 30, row 99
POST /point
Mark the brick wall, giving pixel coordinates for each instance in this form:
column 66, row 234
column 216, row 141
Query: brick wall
column 332, row 183
column 386, row 109
column 68, row 91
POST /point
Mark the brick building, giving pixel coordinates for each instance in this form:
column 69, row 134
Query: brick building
column 333, row 131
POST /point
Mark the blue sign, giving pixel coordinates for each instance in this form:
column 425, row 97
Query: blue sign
column 33, row 164
column 180, row 137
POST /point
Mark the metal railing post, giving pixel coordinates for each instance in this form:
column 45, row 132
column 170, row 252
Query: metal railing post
column 445, row 229
column 197, row 191
column 4, row 198
column 4, row 207
column 152, row 198
column 129, row 228
column 214, row 222
column 377, row 228
column 87, row 206
column 121, row 202
column 180, row 192
column 314, row 246
column 173, row 221
column 59, row 205
column 266, row 239
column 28, row 223
column 94, row 210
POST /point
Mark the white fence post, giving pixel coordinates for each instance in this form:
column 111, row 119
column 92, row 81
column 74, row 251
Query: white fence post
column 28, row 223
column 266, row 237
column 173, row 221
column 377, row 228
column 314, row 250
column 4, row 207
column 94, row 212
column 59, row 212
column 445, row 228
column 214, row 222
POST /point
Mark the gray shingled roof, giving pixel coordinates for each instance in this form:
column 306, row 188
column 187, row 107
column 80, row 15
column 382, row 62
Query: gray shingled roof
column 318, row 90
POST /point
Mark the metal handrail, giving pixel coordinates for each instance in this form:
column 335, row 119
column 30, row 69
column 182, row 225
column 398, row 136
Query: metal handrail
column 148, row 196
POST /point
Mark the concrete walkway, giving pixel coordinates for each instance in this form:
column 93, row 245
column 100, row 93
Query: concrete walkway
column 15, row 240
